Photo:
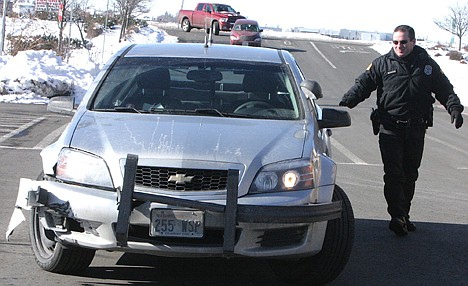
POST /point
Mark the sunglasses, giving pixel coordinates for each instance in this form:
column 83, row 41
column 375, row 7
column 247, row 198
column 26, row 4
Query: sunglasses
column 403, row 42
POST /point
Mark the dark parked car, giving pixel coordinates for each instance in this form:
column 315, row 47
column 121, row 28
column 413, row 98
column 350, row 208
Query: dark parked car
column 246, row 32
column 190, row 150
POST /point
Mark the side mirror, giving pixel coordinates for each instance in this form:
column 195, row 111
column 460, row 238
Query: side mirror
column 332, row 118
column 61, row 104
column 312, row 89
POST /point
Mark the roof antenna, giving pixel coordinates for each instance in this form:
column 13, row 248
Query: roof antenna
column 209, row 35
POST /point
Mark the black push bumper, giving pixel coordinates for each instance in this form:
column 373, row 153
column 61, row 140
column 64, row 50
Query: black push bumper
column 233, row 213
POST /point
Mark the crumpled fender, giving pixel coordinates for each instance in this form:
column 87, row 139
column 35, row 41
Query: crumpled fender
column 25, row 186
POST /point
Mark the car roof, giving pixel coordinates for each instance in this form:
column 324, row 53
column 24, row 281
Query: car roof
column 246, row 21
column 197, row 50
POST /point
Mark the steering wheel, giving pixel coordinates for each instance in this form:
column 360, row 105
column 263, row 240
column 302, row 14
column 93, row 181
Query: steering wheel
column 252, row 104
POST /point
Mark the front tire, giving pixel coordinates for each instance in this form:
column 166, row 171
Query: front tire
column 215, row 27
column 50, row 254
column 331, row 260
column 186, row 27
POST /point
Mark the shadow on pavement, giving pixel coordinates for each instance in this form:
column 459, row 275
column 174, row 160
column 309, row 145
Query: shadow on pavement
column 436, row 254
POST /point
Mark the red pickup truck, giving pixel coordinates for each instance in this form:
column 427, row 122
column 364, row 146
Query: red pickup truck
column 219, row 17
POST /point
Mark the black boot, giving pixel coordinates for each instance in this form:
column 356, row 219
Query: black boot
column 398, row 226
column 410, row 226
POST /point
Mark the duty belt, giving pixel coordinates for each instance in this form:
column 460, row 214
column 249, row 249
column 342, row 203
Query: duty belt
column 409, row 122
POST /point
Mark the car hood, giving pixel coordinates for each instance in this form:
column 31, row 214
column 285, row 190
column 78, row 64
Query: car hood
column 246, row 33
column 199, row 138
column 227, row 14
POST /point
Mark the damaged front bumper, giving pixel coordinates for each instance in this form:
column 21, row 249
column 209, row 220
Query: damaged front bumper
column 107, row 219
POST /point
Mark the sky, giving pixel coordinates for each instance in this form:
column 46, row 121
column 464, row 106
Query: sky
column 16, row 73
column 365, row 15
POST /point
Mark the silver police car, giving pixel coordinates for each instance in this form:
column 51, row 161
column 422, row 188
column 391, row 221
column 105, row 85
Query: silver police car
column 189, row 150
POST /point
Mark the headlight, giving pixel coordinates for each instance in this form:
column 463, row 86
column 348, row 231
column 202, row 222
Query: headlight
column 83, row 168
column 284, row 176
column 223, row 19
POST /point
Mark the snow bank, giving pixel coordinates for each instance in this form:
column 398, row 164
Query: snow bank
column 33, row 76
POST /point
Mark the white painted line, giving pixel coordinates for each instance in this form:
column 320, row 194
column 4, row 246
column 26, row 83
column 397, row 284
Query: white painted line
column 355, row 159
column 8, row 125
column 323, row 56
column 17, row 148
column 49, row 139
column 363, row 164
column 447, row 144
column 357, row 52
column 20, row 129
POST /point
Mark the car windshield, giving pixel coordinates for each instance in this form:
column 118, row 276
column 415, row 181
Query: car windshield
column 215, row 87
column 247, row 27
column 223, row 8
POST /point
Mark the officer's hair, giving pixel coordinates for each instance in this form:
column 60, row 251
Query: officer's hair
column 404, row 29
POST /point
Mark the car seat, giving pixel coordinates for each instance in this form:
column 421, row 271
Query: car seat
column 259, row 85
column 151, row 87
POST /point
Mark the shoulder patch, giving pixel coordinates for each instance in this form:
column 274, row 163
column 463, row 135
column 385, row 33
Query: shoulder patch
column 428, row 70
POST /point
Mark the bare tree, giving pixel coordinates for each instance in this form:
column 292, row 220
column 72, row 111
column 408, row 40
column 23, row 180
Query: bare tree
column 129, row 9
column 456, row 22
column 62, row 23
column 81, row 17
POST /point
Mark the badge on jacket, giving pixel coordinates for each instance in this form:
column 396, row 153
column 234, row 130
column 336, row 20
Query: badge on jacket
column 428, row 70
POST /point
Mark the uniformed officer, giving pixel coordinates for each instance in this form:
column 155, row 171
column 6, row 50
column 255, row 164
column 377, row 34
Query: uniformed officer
column 405, row 79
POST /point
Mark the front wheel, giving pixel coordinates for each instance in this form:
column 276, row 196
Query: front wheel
column 215, row 27
column 331, row 260
column 186, row 27
column 50, row 254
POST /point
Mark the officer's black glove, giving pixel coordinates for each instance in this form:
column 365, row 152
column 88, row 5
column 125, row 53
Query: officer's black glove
column 457, row 117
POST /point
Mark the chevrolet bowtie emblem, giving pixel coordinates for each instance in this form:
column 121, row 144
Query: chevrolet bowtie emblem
column 180, row 179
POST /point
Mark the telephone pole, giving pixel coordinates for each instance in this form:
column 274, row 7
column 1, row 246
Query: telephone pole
column 2, row 30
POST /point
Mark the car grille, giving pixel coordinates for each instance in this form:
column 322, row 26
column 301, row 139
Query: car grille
column 182, row 180
column 247, row 38
column 233, row 19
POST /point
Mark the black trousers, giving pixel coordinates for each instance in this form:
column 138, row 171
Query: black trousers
column 401, row 149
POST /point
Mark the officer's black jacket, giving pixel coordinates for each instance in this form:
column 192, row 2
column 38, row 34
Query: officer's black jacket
column 404, row 86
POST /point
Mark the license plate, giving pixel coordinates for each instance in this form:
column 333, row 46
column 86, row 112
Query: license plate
column 176, row 223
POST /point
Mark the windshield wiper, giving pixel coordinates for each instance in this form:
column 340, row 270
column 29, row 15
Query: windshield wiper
column 126, row 109
column 201, row 111
column 167, row 110
column 206, row 111
column 119, row 109
column 210, row 111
